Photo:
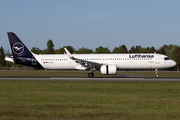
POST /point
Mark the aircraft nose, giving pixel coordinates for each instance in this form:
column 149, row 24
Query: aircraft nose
column 173, row 63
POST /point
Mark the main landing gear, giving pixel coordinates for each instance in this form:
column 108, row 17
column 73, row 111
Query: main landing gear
column 156, row 72
column 91, row 74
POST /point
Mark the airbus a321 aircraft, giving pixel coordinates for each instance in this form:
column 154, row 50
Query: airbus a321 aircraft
column 106, row 64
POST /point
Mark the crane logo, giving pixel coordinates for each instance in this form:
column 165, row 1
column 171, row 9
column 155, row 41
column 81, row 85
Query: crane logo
column 18, row 48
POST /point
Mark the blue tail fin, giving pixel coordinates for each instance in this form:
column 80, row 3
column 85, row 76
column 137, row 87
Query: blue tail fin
column 21, row 53
column 17, row 46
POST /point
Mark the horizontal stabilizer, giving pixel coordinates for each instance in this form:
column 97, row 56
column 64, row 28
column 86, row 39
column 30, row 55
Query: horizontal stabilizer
column 9, row 59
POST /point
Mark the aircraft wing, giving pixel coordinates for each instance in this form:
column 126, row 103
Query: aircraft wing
column 80, row 61
column 84, row 63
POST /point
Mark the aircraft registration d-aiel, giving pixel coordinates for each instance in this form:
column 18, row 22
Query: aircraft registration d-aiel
column 106, row 64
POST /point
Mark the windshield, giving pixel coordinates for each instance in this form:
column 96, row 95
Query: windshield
column 166, row 58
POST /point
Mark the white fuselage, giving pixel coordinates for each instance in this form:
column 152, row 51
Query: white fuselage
column 123, row 61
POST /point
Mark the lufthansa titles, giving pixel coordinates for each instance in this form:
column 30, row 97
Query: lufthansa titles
column 141, row 56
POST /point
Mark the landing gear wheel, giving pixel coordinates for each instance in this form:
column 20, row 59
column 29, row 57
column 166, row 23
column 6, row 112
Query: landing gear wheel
column 91, row 75
column 156, row 71
column 157, row 76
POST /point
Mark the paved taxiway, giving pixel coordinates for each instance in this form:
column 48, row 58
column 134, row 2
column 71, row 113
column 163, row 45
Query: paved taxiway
column 89, row 79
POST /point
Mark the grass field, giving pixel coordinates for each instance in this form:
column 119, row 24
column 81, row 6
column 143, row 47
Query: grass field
column 54, row 100
column 100, row 100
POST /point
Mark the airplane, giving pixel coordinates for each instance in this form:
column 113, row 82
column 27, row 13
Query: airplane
column 106, row 64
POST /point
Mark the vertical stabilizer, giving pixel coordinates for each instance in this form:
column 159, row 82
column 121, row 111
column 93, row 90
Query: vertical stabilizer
column 17, row 46
column 21, row 54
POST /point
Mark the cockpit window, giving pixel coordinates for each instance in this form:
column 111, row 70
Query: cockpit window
column 166, row 58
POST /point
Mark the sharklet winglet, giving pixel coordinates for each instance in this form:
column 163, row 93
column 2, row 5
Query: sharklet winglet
column 68, row 53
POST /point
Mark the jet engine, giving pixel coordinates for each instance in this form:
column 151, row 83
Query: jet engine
column 108, row 69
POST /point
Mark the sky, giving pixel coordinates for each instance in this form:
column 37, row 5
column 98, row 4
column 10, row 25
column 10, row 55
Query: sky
column 91, row 23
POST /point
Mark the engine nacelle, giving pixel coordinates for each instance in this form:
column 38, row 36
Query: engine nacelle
column 108, row 69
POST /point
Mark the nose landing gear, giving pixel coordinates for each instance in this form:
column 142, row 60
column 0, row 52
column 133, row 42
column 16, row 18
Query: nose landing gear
column 156, row 72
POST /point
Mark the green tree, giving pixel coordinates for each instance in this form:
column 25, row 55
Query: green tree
column 116, row 49
column 84, row 51
column 143, row 50
column 7, row 53
column 36, row 50
column 50, row 47
column 170, row 53
column 147, row 50
column 152, row 50
column 45, row 51
column 102, row 50
column 167, row 48
column 123, row 49
column 62, row 51
column 70, row 49
column 120, row 49
column 162, row 51
column 132, row 50
column 176, row 56
column 2, row 56
column 136, row 49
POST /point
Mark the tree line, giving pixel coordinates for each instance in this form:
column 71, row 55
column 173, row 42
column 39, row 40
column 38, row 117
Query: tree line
column 165, row 49
column 173, row 51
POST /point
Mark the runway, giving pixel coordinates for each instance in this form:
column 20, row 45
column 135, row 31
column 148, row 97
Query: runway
column 91, row 79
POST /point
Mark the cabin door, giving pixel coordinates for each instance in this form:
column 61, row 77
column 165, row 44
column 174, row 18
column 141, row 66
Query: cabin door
column 157, row 59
